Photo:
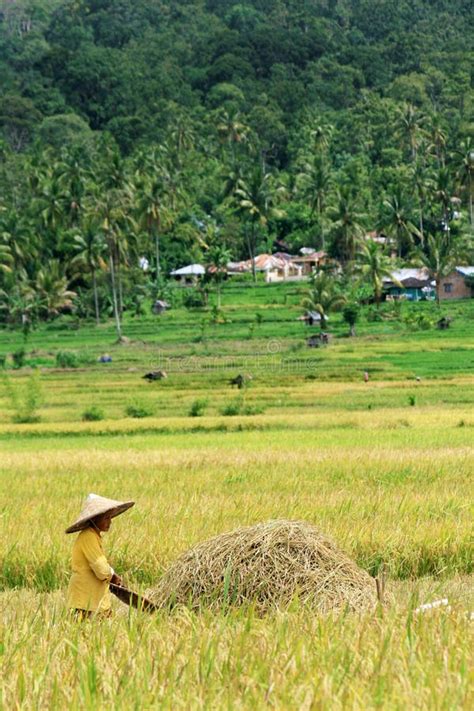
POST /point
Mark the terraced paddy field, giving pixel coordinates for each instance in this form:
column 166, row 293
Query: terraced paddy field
column 385, row 468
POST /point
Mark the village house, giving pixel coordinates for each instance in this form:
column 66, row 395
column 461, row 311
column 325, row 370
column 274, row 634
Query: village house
column 189, row 274
column 309, row 261
column 410, row 283
column 458, row 285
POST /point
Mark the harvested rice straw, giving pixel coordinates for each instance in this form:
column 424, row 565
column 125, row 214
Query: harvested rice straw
column 268, row 565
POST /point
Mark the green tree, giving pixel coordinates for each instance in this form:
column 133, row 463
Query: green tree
column 88, row 249
column 347, row 225
column 255, row 196
column 374, row 266
column 216, row 259
column 323, row 296
column 439, row 257
column 396, row 220
column 465, row 172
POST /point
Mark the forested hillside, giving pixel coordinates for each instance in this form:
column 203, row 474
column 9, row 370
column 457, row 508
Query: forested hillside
column 191, row 130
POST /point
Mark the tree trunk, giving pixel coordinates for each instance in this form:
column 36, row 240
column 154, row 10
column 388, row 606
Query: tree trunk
column 352, row 330
column 422, row 235
column 251, row 249
column 157, row 257
column 96, row 298
column 219, row 286
column 120, row 292
column 114, row 297
column 378, row 297
column 470, row 201
column 438, row 289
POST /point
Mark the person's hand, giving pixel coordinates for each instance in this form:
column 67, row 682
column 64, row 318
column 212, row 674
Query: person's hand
column 116, row 579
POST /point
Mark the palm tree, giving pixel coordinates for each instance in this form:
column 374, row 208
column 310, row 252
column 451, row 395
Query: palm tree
column 437, row 137
column 72, row 176
column 153, row 213
column 323, row 296
column 439, row 257
column 320, row 135
column 89, row 247
column 465, row 173
column 17, row 234
column 51, row 287
column 410, row 123
column 6, row 259
column 254, row 197
column 396, row 220
column 347, row 229
column 374, row 266
column 232, row 131
column 443, row 192
column 315, row 180
column 115, row 221
column 422, row 184
column 216, row 259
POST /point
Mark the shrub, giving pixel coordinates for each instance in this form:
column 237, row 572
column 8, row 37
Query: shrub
column 238, row 407
column 234, row 407
column 93, row 414
column 412, row 400
column 198, row 407
column 67, row 359
column 194, row 299
column 19, row 358
column 3, row 360
column 25, row 398
column 138, row 410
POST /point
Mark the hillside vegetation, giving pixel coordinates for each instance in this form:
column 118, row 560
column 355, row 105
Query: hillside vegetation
column 160, row 133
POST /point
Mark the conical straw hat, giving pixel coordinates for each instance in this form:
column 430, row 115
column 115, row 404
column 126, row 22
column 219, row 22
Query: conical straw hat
column 95, row 506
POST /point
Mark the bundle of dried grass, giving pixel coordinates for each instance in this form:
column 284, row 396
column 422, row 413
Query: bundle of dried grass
column 269, row 565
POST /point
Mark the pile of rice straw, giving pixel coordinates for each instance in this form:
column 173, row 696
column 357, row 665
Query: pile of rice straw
column 267, row 565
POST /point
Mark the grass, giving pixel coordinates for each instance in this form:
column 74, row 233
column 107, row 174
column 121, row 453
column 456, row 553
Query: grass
column 383, row 467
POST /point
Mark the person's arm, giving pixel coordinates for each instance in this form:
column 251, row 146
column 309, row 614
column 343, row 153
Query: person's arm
column 95, row 557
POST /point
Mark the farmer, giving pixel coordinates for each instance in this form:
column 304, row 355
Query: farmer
column 88, row 592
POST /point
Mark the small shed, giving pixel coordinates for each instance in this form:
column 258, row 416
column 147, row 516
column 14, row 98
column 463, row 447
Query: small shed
column 189, row 274
column 159, row 307
column 311, row 318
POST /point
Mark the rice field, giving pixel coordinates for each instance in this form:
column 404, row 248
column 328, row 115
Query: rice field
column 385, row 468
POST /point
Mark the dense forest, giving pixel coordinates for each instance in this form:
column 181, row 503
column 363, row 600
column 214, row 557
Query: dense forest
column 176, row 131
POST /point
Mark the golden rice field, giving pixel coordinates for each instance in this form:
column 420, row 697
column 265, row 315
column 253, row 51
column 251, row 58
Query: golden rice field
column 385, row 468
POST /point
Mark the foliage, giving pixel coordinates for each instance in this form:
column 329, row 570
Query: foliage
column 19, row 358
column 67, row 359
column 323, row 296
column 138, row 410
column 25, row 398
column 350, row 314
column 198, row 407
column 93, row 414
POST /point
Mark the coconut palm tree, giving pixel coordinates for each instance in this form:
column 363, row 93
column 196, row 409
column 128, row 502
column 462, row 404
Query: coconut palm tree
column 255, row 196
column 323, row 296
column 439, row 257
column 88, row 248
column 216, row 259
column 232, row 131
column 410, row 128
column 465, row 172
column 51, row 287
column 347, row 229
column 437, row 137
column 396, row 220
column 153, row 212
column 374, row 266
column 315, row 181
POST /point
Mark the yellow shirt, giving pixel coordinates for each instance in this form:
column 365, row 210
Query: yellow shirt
column 91, row 574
